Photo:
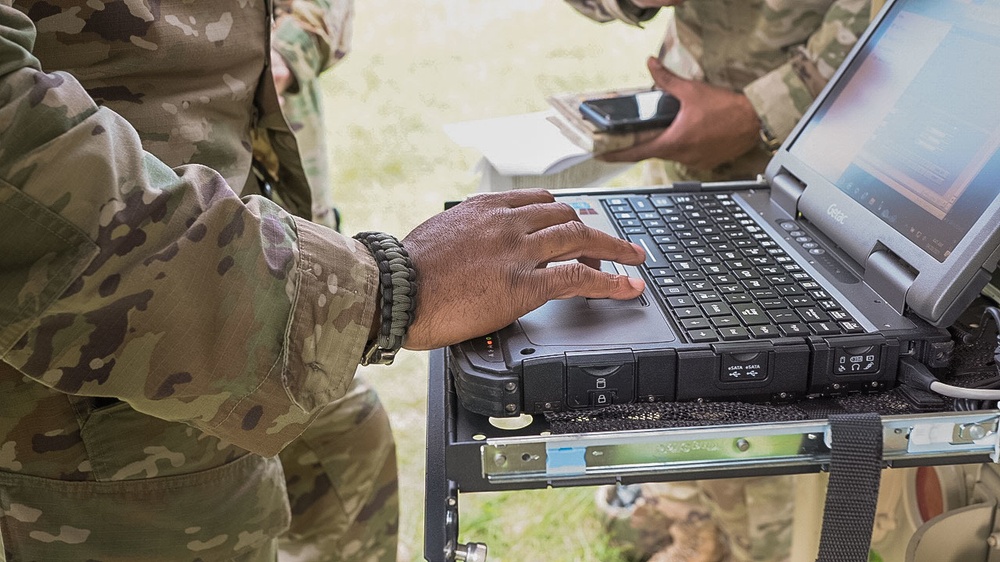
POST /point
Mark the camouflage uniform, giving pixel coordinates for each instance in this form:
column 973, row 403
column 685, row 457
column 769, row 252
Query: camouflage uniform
column 312, row 36
column 780, row 54
column 164, row 340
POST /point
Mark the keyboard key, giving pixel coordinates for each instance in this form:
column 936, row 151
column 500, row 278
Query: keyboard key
column 754, row 284
column 693, row 275
column 640, row 203
column 772, row 303
column 824, row 328
column 751, row 314
column 696, row 323
column 688, row 312
column 678, row 302
column 706, row 296
column 716, row 309
column 851, row 327
column 812, row 314
column 801, row 301
column 795, row 329
column 828, row 304
column 783, row 315
column 789, row 290
column 673, row 290
column 653, row 256
column 725, row 321
column 702, row 336
column 764, row 331
column 733, row 333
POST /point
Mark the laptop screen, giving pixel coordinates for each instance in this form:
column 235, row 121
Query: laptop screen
column 911, row 131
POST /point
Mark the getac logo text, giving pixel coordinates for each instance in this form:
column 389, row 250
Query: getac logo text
column 836, row 213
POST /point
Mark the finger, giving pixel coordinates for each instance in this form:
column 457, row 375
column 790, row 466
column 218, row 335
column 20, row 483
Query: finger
column 666, row 80
column 578, row 280
column 544, row 215
column 572, row 240
column 634, row 153
column 514, row 198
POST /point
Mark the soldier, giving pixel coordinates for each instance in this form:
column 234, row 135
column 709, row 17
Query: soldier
column 309, row 38
column 745, row 72
column 165, row 341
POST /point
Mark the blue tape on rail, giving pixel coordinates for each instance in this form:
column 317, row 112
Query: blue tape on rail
column 566, row 460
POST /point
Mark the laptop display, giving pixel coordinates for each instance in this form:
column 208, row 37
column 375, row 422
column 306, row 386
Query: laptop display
column 929, row 117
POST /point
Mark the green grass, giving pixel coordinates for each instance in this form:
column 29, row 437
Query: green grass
column 416, row 66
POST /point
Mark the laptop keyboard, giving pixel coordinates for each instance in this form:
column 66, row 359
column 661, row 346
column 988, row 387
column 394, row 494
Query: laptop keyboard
column 722, row 277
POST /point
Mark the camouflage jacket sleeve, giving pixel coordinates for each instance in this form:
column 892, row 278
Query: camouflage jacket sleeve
column 783, row 95
column 609, row 10
column 312, row 35
column 122, row 277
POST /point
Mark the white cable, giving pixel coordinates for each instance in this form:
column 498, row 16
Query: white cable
column 960, row 392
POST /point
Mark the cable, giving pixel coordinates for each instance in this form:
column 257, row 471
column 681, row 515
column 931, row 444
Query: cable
column 984, row 395
column 994, row 313
column 916, row 374
column 962, row 392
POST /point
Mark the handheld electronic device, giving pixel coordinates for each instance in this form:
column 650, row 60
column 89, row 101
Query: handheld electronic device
column 634, row 112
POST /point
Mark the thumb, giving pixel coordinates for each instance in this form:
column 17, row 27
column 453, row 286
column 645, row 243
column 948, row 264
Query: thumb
column 666, row 80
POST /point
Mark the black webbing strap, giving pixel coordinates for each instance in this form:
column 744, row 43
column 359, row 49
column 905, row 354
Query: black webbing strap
column 855, row 472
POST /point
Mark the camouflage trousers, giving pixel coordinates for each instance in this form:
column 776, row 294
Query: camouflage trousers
column 330, row 495
column 725, row 520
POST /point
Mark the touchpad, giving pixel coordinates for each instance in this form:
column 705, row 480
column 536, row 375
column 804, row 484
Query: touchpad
column 596, row 322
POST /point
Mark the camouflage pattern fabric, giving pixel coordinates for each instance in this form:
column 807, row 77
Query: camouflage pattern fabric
column 341, row 478
column 665, row 521
column 780, row 53
column 724, row 520
column 755, row 513
column 312, row 36
column 163, row 338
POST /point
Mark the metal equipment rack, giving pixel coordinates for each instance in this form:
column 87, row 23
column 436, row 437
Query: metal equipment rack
column 466, row 453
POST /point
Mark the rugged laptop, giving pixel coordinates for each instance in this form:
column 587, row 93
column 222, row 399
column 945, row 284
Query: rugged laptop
column 875, row 225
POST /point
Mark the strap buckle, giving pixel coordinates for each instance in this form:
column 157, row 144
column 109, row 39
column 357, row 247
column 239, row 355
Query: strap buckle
column 375, row 354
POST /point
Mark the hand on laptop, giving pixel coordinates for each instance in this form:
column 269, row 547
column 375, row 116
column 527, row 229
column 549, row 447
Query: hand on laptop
column 715, row 125
column 482, row 264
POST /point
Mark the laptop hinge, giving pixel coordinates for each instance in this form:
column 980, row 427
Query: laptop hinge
column 785, row 192
column 890, row 277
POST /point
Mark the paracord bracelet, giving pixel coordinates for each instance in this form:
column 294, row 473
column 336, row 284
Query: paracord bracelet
column 398, row 286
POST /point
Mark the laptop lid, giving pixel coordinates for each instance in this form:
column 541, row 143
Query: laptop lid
column 898, row 160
